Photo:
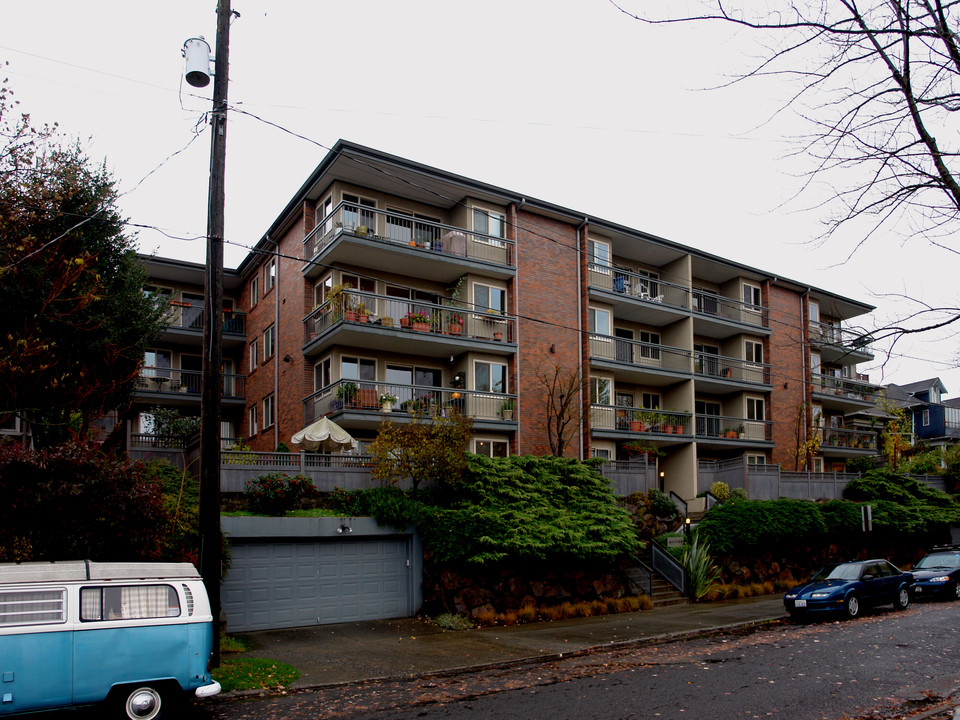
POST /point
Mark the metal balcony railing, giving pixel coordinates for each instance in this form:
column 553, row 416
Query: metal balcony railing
column 640, row 420
column 847, row 438
column 189, row 316
column 632, row 352
column 733, row 428
column 465, row 319
column 401, row 229
column 824, row 333
column 638, row 285
column 172, row 380
column 730, row 368
column 707, row 303
column 390, row 398
column 844, row 387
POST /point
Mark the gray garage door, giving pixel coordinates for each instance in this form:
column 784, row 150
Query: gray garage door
column 292, row 584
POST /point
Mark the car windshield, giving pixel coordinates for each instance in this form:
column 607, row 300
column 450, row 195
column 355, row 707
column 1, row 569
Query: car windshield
column 847, row 571
column 939, row 561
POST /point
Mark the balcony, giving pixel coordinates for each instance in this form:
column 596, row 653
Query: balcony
column 662, row 427
column 185, row 325
column 719, row 374
column 639, row 298
column 379, row 322
column 398, row 243
column 847, row 441
column 171, row 386
column 843, row 394
column 717, row 316
column 725, row 430
column 640, row 362
column 839, row 345
column 358, row 404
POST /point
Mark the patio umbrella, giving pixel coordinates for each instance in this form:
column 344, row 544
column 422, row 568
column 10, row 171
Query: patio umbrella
column 323, row 435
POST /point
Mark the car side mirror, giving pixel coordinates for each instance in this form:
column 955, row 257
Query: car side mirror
column 869, row 576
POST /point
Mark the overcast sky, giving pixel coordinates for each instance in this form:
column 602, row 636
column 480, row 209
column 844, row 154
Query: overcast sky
column 573, row 103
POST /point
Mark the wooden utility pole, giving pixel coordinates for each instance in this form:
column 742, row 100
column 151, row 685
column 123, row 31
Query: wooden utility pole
column 210, row 535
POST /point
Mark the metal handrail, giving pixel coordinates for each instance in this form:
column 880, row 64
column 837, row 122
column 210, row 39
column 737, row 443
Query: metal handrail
column 711, row 500
column 679, row 502
column 725, row 426
column 730, row 368
column 708, row 303
column 672, row 571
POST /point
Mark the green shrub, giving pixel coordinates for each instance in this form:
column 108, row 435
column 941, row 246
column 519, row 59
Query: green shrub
column 738, row 493
column 771, row 524
column 449, row 621
column 720, row 490
column 275, row 493
column 701, row 572
column 661, row 505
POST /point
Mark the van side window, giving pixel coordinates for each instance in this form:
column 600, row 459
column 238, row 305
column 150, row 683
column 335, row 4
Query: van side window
column 131, row 602
column 32, row 607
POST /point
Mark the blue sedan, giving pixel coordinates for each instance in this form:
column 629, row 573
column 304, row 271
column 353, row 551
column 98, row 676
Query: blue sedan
column 938, row 575
column 848, row 588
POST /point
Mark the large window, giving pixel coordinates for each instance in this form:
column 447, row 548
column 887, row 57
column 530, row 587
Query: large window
column 128, row 603
column 487, row 297
column 753, row 352
column 491, row 448
column 751, row 295
column 359, row 214
column 156, row 363
column 600, row 391
column 321, row 374
column 487, row 222
column 490, row 377
column 32, row 607
column 649, row 345
column 755, row 409
column 600, row 321
column 599, row 255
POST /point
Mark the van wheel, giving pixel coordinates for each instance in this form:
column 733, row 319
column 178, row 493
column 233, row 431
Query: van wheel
column 143, row 703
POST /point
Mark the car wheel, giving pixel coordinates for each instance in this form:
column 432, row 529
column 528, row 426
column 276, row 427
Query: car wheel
column 143, row 703
column 851, row 606
column 903, row 598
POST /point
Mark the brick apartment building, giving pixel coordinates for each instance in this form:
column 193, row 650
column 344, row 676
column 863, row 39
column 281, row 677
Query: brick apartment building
column 384, row 277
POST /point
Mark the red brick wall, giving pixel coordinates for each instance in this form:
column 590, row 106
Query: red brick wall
column 786, row 353
column 546, row 292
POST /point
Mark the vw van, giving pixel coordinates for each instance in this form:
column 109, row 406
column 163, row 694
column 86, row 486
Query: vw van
column 135, row 636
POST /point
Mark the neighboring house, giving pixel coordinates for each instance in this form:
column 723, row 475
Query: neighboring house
column 936, row 422
column 384, row 277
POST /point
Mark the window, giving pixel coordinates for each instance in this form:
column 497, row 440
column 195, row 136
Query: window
column 756, row 460
column 602, row 453
column 128, row 603
column 755, row 409
column 269, row 343
column 32, row 607
column 253, row 356
column 359, row 214
column 156, row 363
column 647, row 284
column 751, row 295
column 254, row 428
column 486, row 297
column 489, row 223
column 10, row 424
column 600, row 389
column 490, row 377
column 270, row 275
column 600, row 321
column 254, row 291
column 753, row 351
column 321, row 374
column 491, row 448
column 650, row 401
column 352, row 368
column 324, row 208
column 649, row 345
column 599, row 255
column 926, row 418
column 268, row 411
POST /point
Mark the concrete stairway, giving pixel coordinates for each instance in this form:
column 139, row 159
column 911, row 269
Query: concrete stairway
column 662, row 591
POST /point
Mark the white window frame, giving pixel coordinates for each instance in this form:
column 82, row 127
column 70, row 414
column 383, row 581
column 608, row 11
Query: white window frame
column 754, row 291
column 490, row 364
column 598, row 386
column 925, row 417
column 595, row 314
column 254, row 428
column 492, row 291
column 270, row 275
column 750, row 350
column 366, row 211
column 483, row 233
column 254, row 291
column 269, row 343
column 599, row 264
column 323, row 209
column 254, row 357
column 269, row 411
column 491, row 442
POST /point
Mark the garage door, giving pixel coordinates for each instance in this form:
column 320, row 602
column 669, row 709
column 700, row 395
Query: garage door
column 292, row 584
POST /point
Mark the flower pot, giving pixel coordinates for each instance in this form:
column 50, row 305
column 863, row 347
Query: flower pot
column 404, row 322
column 635, row 425
column 363, row 318
column 679, row 429
column 421, row 326
column 498, row 336
column 667, row 429
column 507, row 414
column 350, row 315
column 386, row 407
column 455, row 329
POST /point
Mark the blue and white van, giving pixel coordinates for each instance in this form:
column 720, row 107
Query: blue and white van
column 136, row 636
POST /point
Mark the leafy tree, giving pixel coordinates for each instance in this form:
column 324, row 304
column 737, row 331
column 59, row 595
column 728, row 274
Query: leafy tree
column 76, row 322
column 422, row 450
column 877, row 84
column 895, row 438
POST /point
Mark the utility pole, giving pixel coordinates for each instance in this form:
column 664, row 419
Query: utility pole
column 210, row 535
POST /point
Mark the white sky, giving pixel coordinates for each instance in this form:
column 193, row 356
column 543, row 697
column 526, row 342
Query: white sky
column 580, row 106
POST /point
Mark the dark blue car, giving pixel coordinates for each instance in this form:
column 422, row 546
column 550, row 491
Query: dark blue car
column 847, row 588
column 938, row 575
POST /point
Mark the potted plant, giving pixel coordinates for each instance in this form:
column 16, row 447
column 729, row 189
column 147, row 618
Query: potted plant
column 741, row 431
column 386, row 402
column 347, row 393
column 362, row 314
column 507, row 407
column 455, row 326
column 730, row 432
column 651, row 419
column 419, row 320
column 636, row 421
column 668, row 424
column 680, row 426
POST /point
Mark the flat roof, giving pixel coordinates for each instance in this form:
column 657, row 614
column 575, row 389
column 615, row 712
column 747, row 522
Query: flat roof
column 82, row 570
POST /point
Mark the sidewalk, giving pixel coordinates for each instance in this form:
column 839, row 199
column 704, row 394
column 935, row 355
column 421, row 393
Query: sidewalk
column 352, row 652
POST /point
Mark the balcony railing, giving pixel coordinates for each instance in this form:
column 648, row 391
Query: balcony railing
column 829, row 334
column 366, row 396
column 847, row 438
column 706, row 303
column 637, row 285
column 189, row 316
column 733, row 428
column 169, row 381
column 640, row 420
column 632, row 352
column 844, row 387
column 466, row 319
column 730, row 368
column 415, row 233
